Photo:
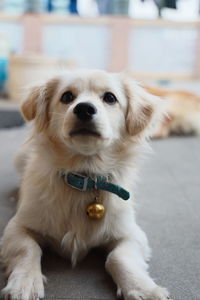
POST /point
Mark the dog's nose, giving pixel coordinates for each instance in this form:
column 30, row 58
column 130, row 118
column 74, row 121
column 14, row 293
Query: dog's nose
column 85, row 111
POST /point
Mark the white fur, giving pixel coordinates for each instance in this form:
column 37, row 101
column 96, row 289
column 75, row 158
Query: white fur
column 49, row 211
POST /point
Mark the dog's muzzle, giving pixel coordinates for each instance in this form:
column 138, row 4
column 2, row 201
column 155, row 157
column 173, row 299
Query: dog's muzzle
column 84, row 126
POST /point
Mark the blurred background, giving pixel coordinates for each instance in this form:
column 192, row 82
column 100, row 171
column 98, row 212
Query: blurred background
column 157, row 40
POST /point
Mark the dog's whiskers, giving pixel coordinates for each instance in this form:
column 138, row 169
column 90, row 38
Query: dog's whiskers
column 56, row 113
column 54, row 120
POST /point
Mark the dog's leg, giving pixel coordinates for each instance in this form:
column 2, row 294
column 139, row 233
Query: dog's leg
column 142, row 242
column 128, row 269
column 21, row 256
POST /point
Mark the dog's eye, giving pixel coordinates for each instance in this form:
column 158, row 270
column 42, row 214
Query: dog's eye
column 109, row 98
column 67, row 97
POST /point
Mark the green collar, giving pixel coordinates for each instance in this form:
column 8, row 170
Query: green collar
column 84, row 183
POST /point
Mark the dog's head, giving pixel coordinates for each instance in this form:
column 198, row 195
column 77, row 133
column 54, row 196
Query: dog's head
column 89, row 110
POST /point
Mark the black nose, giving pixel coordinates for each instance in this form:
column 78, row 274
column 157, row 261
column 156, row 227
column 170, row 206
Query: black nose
column 85, row 111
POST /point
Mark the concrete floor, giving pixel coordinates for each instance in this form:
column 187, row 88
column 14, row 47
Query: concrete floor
column 168, row 209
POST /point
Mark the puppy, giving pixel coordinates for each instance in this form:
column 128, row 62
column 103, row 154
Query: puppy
column 183, row 109
column 78, row 168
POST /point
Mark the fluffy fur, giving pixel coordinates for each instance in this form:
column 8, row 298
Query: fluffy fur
column 183, row 109
column 49, row 211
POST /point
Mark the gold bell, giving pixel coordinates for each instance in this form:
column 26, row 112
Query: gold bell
column 95, row 211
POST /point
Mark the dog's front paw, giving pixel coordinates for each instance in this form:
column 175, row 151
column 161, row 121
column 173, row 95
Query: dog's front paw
column 157, row 293
column 24, row 287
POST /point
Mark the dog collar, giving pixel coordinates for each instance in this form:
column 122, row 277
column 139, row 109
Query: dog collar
column 84, row 183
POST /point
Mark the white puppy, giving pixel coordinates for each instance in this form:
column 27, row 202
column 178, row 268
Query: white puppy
column 79, row 166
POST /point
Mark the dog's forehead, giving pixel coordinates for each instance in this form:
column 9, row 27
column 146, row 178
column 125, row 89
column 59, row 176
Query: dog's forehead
column 90, row 80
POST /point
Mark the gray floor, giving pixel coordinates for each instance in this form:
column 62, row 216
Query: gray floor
column 168, row 207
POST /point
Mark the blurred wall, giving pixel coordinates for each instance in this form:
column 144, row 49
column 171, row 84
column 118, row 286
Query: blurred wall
column 12, row 31
column 88, row 45
column 148, row 48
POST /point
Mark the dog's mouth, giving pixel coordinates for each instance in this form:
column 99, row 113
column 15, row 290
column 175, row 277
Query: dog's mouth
column 84, row 132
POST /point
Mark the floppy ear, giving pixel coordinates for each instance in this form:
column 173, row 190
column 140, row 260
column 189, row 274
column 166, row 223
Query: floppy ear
column 29, row 105
column 35, row 106
column 145, row 111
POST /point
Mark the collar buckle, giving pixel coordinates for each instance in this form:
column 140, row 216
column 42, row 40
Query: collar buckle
column 83, row 178
column 85, row 183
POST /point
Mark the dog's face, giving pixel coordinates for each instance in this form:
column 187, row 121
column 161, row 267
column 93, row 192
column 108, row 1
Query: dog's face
column 87, row 111
column 90, row 110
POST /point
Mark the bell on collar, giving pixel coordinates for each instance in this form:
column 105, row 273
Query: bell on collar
column 96, row 211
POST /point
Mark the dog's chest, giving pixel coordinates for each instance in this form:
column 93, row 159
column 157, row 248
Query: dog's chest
column 74, row 229
column 82, row 233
